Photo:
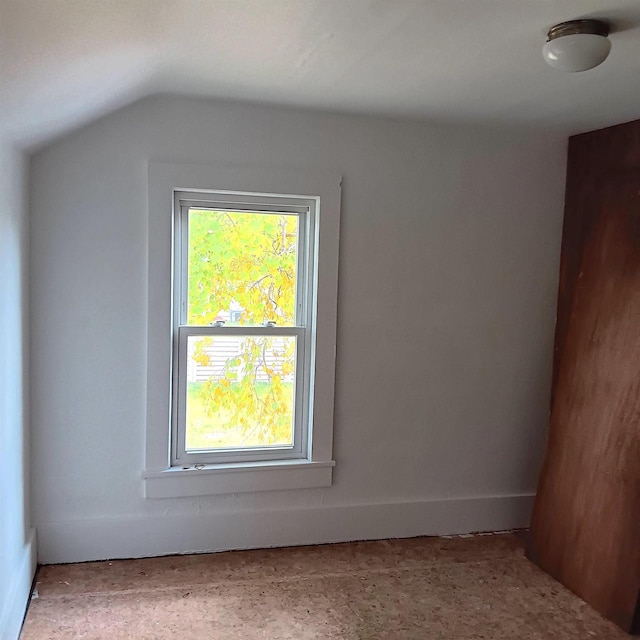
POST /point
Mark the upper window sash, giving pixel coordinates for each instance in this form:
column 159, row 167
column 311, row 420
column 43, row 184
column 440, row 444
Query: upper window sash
column 304, row 208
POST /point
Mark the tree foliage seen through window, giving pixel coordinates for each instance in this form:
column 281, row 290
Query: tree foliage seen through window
column 242, row 271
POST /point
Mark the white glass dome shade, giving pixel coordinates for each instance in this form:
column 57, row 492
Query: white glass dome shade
column 577, row 45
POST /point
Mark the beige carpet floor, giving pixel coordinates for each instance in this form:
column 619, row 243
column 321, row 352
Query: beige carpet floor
column 477, row 588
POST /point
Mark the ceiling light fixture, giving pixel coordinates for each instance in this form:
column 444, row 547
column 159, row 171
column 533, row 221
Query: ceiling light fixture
column 577, row 45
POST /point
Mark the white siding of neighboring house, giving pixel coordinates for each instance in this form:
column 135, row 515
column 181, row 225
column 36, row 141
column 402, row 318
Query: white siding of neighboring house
column 227, row 348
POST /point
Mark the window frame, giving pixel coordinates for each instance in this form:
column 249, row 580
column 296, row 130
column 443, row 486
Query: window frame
column 161, row 477
column 306, row 211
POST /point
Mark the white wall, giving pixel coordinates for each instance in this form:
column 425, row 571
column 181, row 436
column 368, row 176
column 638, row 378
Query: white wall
column 17, row 551
column 439, row 427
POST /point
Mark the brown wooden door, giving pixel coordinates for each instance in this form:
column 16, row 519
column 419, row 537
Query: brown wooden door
column 585, row 530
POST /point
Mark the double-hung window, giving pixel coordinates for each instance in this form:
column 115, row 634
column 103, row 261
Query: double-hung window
column 243, row 315
column 241, row 335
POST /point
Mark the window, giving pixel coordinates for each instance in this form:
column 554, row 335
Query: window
column 241, row 336
column 243, row 300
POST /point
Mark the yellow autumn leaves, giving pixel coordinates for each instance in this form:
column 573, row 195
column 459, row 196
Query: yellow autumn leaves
column 242, row 269
column 242, row 261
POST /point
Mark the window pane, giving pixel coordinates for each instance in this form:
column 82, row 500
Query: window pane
column 240, row 392
column 242, row 268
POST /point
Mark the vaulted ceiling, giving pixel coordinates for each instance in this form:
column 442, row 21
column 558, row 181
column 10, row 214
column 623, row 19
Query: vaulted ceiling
column 66, row 62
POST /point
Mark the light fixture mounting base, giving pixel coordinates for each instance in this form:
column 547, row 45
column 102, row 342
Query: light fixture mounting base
column 573, row 27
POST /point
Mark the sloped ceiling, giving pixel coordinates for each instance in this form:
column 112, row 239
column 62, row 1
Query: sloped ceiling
column 66, row 62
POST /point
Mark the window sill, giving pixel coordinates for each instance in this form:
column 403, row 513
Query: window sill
column 237, row 477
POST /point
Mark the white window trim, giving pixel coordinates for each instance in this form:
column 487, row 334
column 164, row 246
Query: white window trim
column 161, row 480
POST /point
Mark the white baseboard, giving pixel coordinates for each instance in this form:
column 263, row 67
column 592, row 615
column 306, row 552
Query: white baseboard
column 12, row 610
column 140, row 536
